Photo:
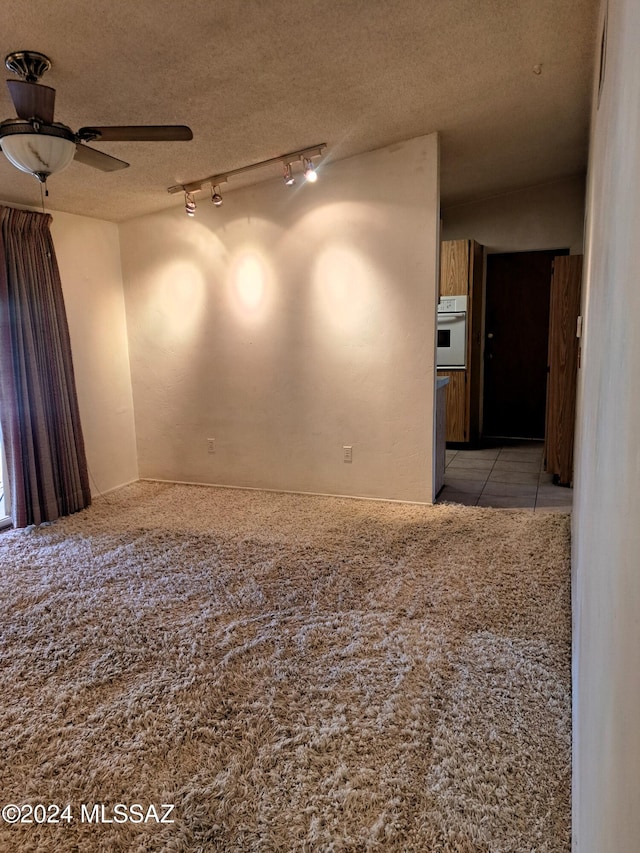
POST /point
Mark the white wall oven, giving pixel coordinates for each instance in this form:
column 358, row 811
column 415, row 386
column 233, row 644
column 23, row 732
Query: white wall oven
column 452, row 332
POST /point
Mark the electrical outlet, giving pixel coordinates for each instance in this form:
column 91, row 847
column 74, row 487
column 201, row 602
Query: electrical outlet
column 347, row 453
column 211, row 445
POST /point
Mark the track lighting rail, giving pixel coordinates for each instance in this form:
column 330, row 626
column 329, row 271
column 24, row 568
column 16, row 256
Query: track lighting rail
column 215, row 180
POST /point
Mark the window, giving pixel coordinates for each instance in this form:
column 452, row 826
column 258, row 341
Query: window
column 4, row 493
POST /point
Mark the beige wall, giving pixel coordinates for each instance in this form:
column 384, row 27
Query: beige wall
column 550, row 216
column 288, row 323
column 88, row 254
column 606, row 534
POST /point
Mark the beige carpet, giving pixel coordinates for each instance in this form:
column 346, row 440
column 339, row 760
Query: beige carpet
column 292, row 673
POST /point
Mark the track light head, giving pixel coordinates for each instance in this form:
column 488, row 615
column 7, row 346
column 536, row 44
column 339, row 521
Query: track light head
column 288, row 175
column 310, row 173
column 189, row 204
column 216, row 198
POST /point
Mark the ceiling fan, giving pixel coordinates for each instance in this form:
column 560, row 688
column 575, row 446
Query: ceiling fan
column 35, row 143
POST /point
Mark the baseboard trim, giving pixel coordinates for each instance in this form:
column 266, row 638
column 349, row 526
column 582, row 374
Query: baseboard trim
column 96, row 493
column 281, row 491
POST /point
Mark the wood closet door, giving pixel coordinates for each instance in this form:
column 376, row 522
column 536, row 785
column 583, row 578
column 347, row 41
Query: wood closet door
column 564, row 308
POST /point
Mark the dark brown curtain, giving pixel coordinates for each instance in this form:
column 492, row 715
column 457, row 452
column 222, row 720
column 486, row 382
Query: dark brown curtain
column 46, row 463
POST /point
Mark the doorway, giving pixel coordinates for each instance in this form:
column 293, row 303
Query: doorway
column 516, row 343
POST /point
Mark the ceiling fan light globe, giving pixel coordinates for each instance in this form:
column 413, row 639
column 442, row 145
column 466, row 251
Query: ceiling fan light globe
column 38, row 154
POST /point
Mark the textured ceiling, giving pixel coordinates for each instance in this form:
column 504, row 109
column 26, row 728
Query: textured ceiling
column 259, row 78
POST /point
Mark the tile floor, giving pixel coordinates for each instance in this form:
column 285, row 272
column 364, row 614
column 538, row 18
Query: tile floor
column 510, row 476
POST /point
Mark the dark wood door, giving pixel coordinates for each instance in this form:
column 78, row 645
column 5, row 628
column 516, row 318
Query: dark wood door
column 516, row 343
column 563, row 367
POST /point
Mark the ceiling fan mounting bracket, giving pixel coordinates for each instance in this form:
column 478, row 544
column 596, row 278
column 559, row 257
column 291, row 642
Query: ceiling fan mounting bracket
column 28, row 64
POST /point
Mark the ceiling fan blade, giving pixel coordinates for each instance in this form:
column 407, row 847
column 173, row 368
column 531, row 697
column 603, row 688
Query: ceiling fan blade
column 98, row 159
column 32, row 100
column 137, row 133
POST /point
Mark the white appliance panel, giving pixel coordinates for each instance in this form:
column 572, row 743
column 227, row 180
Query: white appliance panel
column 452, row 332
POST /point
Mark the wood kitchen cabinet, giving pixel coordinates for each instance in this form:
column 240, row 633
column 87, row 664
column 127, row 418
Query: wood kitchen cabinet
column 462, row 274
column 454, row 267
column 455, row 404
